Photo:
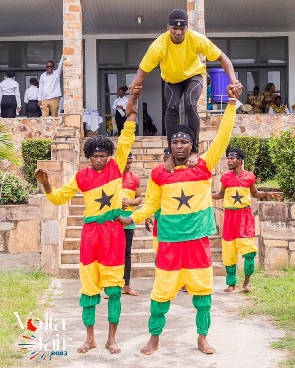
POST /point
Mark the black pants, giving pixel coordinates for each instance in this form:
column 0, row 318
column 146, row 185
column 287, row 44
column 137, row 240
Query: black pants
column 120, row 120
column 129, row 237
column 191, row 88
column 33, row 110
column 8, row 106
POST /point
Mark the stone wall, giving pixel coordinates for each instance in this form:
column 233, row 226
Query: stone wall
column 276, row 234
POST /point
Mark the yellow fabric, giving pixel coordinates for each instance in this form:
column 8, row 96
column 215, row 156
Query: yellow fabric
column 179, row 62
column 95, row 277
column 68, row 190
column 200, row 200
column 230, row 249
column 155, row 244
column 130, row 194
column 228, row 201
column 92, row 207
column 154, row 194
column 167, row 283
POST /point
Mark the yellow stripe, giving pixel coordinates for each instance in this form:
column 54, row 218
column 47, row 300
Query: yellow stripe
column 230, row 249
column 201, row 199
column 230, row 202
column 94, row 277
column 129, row 193
column 93, row 208
column 167, row 283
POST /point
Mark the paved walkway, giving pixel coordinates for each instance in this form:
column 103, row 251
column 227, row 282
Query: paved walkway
column 240, row 342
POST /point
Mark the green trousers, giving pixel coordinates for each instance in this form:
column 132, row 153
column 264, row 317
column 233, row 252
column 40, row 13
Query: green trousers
column 114, row 305
column 231, row 271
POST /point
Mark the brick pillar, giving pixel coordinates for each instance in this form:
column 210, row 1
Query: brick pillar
column 73, row 60
column 196, row 21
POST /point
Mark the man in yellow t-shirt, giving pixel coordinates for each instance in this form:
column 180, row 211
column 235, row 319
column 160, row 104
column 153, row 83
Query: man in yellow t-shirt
column 178, row 53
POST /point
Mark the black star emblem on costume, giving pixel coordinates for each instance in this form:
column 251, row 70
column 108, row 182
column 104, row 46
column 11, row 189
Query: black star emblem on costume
column 237, row 197
column 105, row 200
column 183, row 199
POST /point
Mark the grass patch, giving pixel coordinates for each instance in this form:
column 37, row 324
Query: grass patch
column 274, row 295
column 272, row 183
column 20, row 292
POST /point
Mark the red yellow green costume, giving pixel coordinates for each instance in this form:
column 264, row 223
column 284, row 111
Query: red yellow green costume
column 238, row 226
column 102, row 248
column 185, row 222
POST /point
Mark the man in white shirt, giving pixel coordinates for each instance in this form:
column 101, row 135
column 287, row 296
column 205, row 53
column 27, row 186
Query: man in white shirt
column 9, row 96
column 49, row 89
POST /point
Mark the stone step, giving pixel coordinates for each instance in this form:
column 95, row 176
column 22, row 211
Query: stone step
column 75, row 210
column 71, row 271
column 75, row 223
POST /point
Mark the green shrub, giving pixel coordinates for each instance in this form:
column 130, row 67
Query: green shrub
column 264, row 167
column 250, row 145
column 13, row 189
column 32, row 151
column 282, row 151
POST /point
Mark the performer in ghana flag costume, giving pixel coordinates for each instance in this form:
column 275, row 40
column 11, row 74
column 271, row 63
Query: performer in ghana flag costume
column 186, row 220
column 102, row 249
column 238, row 225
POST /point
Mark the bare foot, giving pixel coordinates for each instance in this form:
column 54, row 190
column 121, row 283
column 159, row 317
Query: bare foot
column 204, row 346
column 151, row 346
column 87, row 346
column 247, row 287
column 113, row 347
column 183, row 289
column 230, row 288
column 128, row 290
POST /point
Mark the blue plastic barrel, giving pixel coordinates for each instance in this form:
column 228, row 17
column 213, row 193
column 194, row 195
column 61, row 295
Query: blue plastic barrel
column 219, row 82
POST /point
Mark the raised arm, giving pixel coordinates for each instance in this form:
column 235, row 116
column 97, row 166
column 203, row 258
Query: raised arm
column 229, row 69
column 57, row 196
column 136, row 82
column 221, row 141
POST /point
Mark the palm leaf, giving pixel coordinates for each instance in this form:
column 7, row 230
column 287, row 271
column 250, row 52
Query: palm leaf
column 7, row 150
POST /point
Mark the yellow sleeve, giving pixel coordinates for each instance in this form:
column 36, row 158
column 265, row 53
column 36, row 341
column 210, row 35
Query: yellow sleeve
column 221, row 141
column 151, row 204
column 63, row 194
column 125, row 141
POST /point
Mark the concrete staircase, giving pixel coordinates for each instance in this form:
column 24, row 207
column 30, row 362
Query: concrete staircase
column 148, row 153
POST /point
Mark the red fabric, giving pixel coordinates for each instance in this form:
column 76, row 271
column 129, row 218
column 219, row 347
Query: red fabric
column 245, row 179
column 190, row 254
column 130, row 180
column 199, row 172
column 238, row 224
column 88, row 178
column 104, row 243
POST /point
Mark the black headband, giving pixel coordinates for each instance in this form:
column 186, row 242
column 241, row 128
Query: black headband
column 101, row 149
column 177, row 23
column 235, row 154
column 182, row 135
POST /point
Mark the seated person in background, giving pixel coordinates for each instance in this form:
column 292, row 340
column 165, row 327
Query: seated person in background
column 278, row 107
column 256, row 100
column 293, row 109
column 148, row 127
column 269, row 96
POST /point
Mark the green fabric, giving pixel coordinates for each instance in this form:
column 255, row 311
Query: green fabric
column 127, row 214
column 107, row 216
column 231, row 275
column 249, row 265
column 89, row 301
column 89, row 307
column 157, row 214
column 193, row 226
column 157, row 318
column 114, row 303
column 88, row 315
column 203, row 317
